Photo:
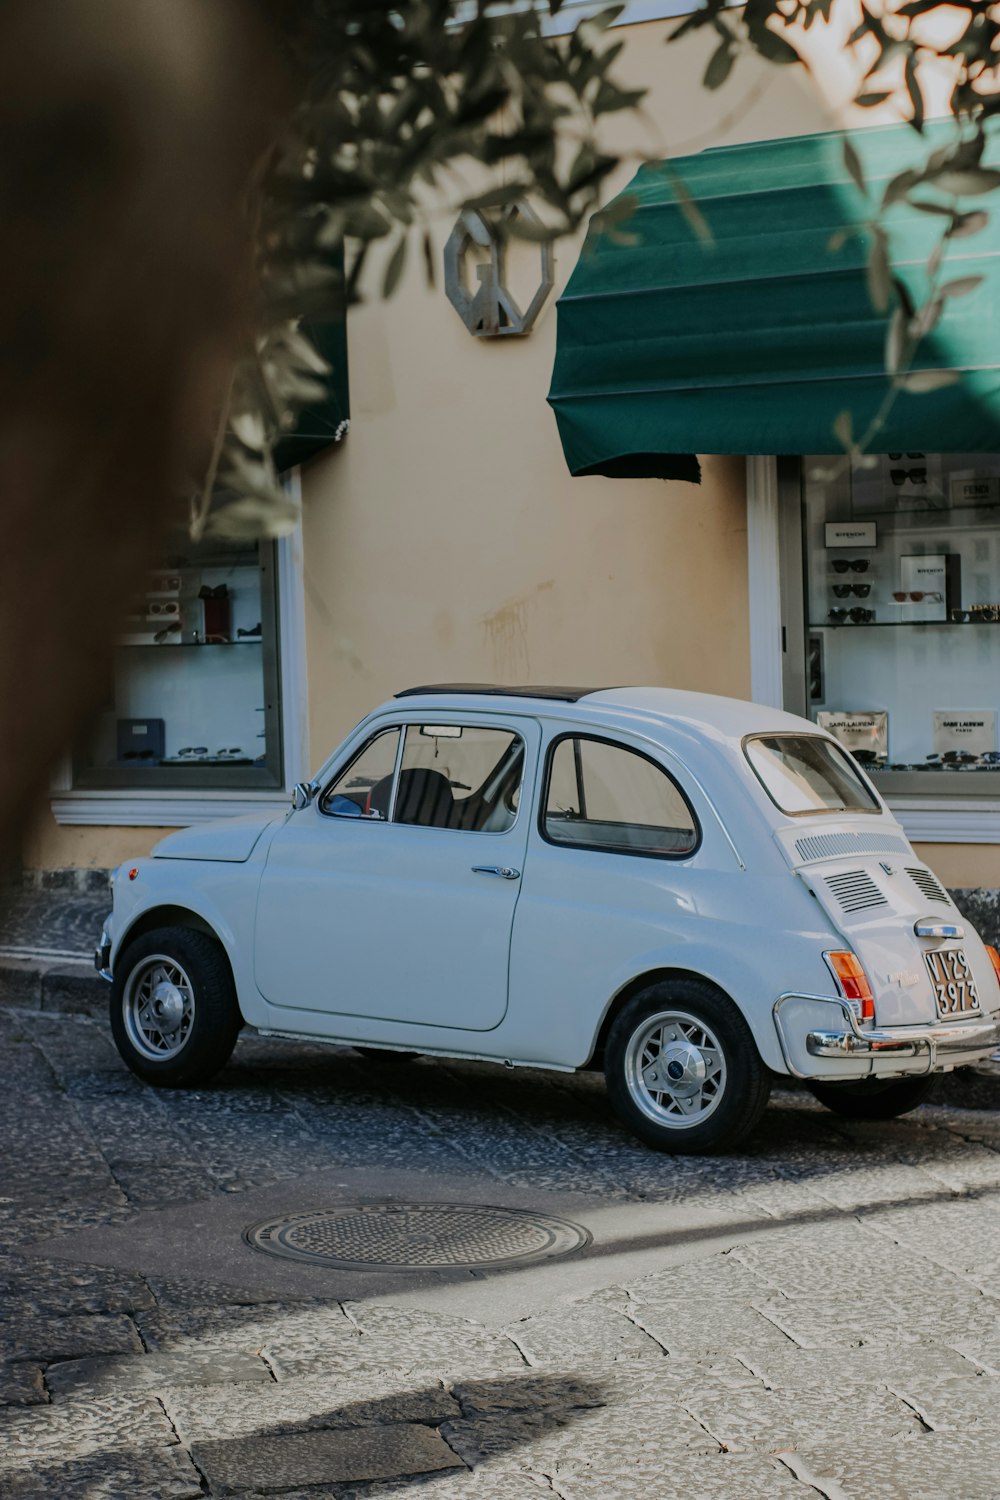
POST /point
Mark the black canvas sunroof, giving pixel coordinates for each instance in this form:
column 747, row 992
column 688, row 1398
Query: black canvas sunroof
column 497, row 690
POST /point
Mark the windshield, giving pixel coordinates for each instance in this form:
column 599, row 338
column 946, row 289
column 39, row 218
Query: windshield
column 802, row 773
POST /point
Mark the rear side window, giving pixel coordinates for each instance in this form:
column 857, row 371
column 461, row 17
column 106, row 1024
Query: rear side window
column 802, row 773
column 604, row 796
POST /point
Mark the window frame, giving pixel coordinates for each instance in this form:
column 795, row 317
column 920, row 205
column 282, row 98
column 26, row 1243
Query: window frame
column 813, row 812
column 615, row 744
column 402, row 726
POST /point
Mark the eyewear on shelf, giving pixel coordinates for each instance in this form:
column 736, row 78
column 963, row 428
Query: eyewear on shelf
column 983, row 613
column 856, row 565
column 194, row 750
column 861, row 616
column 953, row 757
column 909, row 455
column 916, row 596
column 221, row 591
column 859, row 590
column 866, row 757
column 233, row 750
column 915, row 476
column 960, row 616
column 163, row 607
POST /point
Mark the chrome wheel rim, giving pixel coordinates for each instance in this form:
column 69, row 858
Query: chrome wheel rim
column 675, row 1069
column 158, row 1008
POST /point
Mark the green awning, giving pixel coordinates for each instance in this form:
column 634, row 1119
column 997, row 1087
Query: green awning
column 754, row 342
column 325, row 421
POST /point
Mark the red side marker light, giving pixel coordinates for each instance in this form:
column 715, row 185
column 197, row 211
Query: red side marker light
column 853, row 983
column 133, row 872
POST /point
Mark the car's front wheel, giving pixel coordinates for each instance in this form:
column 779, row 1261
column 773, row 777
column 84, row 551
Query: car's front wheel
column 874, row 1098
column 683, row 1070
column 174, row 1013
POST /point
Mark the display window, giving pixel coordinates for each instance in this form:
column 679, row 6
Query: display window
column 902, row 602
column 193, row 700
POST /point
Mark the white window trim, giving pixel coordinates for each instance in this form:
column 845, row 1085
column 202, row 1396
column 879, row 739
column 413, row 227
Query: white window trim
column 181, row 808
column 925, row 820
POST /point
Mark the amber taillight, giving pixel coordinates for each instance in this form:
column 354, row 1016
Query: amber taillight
column 853, row 982
column 994, row 960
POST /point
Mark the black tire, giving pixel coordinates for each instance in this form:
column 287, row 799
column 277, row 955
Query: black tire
column 198, row 994
column 874, row 1098
column 723, row 1114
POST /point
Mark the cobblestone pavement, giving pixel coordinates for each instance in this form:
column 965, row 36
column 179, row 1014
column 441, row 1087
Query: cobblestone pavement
column 850, row 1348
column 51, row 921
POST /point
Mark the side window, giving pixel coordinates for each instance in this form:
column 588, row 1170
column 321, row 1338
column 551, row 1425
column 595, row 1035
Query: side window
column 362, row 791
column 459, row 776
column 604, row 796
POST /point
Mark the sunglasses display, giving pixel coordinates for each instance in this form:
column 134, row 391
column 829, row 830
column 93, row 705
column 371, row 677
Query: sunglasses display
column 914, row 476
column 916, row 595
column 854, row 565
column 859, row 590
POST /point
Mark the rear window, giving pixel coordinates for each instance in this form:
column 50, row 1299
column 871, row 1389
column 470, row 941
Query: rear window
column 802, row 773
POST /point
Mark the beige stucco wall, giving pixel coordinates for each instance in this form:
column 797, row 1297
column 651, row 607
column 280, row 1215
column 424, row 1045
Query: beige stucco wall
column 51, row 846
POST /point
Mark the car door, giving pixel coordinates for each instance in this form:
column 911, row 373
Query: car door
column 392, row 895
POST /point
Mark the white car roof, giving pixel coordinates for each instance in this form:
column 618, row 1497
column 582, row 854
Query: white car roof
column 728, row 718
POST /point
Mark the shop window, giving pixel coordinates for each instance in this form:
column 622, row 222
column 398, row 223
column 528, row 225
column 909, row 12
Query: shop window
column 902, row 583
column 603, row 796
column 194, row 700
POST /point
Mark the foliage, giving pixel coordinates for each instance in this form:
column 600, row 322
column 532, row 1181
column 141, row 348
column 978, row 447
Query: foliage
column 397, row 111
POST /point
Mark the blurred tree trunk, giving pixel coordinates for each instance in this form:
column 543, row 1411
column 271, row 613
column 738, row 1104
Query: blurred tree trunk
column 128, row 133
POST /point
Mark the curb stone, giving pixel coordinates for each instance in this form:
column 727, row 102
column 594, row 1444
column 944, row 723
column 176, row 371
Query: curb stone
column 52, row 985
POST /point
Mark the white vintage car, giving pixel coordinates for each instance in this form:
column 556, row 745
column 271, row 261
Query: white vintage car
column 692, row 893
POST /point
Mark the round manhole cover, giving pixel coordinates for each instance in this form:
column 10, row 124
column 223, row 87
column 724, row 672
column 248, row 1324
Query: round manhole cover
column 387, row 1236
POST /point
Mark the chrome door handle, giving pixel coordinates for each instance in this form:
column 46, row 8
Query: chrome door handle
column 504, row 871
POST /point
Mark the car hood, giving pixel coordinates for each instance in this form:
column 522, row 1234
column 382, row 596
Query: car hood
column 229, row 839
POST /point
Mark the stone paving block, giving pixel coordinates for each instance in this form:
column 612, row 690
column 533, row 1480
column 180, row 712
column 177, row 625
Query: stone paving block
column 74, row 989
column 21, row 1384
column 197, row 1292
column 38, row 1437
column 355, row 1398
column 902, row 1367
column 725, row 1476
column 284, row 1327
column 166, row 1475
column 931, row 1467
column 154, row 1372
column 48, row 1338
column 147, row 1184
column 774, row 1420
column 276, row 1463
column 55, row 1289
column 725, row 1276
column 458, row 1485
column 596, row 1334
column 416, row 1341
column 695, row 1327
column 21, row 983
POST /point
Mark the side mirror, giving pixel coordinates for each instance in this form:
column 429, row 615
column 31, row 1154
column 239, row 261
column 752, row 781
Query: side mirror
column 303, row 794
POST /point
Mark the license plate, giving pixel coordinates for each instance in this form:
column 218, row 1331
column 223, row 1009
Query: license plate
column 954, row 986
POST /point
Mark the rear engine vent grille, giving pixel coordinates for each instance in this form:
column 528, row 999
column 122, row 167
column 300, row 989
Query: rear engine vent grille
column 833, row 845
column 855, row 890
column 928, row 885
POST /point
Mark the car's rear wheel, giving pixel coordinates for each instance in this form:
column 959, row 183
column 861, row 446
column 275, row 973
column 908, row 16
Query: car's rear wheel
column 874, row 1098
column 683, row 1070
column 174, row 1012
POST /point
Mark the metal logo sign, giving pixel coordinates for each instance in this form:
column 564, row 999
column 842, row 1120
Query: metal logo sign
column 488, row 310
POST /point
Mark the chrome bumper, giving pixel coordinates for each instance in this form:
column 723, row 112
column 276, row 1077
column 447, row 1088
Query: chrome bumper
column 936, row 1042
column 102, row 956
column 936, row 1046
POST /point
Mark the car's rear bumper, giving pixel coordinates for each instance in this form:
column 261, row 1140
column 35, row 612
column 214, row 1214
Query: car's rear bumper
column 848, row 1050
